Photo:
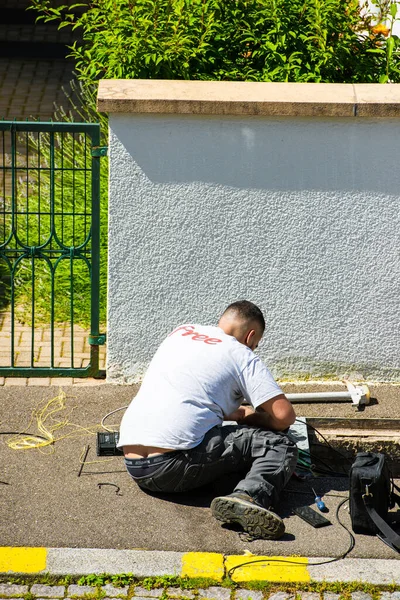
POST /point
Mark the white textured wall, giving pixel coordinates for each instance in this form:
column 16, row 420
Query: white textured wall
column 300, row 216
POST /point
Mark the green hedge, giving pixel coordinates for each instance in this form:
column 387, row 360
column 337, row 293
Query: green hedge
column 242, row 40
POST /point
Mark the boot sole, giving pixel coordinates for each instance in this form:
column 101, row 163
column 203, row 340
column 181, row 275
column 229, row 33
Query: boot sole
column 255, row 520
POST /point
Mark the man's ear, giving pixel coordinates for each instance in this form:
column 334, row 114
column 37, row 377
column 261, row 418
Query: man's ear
column 249, row 338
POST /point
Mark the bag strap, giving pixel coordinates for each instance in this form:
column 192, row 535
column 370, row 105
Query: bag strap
column 388, row 535
column 397, row 488
column 395, row 498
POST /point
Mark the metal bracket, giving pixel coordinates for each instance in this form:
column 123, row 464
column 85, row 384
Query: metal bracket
column 360, row 394
column 99, row 150
column 367, row 492
column 97, row 340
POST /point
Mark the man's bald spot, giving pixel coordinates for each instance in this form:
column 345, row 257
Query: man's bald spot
column 246, row 312
column 233, row 323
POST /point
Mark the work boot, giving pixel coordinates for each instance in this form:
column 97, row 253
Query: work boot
column 254, row 519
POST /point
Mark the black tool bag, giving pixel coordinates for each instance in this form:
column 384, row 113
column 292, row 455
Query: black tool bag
column 371, row 497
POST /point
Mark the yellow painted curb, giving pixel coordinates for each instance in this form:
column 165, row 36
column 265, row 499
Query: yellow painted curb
column 203, row 564
column 272, row 568
column 22, row 560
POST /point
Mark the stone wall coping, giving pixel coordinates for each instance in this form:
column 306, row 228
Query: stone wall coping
column 248, row 98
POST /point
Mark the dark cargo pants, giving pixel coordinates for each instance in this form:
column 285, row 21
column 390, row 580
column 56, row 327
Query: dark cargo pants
column 268, row 457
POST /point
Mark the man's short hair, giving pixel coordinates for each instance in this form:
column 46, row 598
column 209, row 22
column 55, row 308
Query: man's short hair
column 246, row 311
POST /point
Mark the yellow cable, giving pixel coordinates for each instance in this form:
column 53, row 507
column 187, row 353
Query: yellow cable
column 47, row 424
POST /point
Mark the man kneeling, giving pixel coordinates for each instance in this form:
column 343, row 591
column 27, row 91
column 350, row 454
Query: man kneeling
column 172, row 433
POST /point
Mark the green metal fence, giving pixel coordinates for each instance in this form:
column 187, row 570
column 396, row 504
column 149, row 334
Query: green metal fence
column 49, row 246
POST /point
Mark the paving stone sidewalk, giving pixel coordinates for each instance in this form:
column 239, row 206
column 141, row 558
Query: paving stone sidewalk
column 109, row 591
column 63, row 355
column 30, row 89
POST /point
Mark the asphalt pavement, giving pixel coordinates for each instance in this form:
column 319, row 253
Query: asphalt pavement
column 49, row 499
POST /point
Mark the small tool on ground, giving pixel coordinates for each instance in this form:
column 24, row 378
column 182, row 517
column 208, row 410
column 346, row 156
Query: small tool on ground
column 319, row 502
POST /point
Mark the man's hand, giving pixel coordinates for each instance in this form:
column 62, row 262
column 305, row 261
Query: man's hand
column 276, row 414
column 241, row 413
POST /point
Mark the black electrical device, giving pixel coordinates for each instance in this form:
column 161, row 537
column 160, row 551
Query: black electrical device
column 107, row 443
column 310, row 516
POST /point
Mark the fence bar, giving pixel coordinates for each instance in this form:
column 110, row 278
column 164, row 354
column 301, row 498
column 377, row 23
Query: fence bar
column 54, row 229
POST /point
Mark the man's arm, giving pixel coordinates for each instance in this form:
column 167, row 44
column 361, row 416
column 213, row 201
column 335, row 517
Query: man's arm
column 276, row 414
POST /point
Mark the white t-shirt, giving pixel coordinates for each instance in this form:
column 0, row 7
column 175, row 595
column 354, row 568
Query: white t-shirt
column 197, row 376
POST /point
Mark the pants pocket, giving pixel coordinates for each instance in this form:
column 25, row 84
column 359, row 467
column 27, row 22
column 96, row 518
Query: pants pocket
column 190, row 479
column 258, row 447
column 165, row 478
column 147, row 483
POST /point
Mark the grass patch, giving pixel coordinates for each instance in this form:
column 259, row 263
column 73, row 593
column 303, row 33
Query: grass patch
column 185, row 583
column 40, row 578
column 120, row 580
column 98, row 594
column 344, row 589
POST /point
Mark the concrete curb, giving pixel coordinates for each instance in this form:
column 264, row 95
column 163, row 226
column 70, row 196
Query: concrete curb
column 144, row 563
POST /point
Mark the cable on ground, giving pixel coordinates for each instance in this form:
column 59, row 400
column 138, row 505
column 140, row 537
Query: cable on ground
column 109, row 415
column 347, row 459
column 314, row 564
column 48, row 423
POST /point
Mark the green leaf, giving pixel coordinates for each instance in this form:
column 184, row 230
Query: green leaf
column 383, row 78
column 393, row 9
column 271, row 46
column 390, row 46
